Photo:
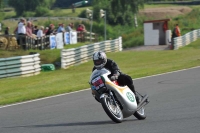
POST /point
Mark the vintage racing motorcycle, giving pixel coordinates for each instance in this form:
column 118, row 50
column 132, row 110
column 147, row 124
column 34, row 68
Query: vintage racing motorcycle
column 117, row 101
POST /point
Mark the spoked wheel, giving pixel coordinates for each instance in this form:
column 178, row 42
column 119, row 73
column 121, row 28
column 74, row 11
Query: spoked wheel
column 112, row 110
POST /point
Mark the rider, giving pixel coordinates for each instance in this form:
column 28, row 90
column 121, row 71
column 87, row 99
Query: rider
column 100, row 60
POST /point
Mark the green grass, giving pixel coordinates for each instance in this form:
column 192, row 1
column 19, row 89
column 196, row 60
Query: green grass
column 53, row 55
column 136, row 64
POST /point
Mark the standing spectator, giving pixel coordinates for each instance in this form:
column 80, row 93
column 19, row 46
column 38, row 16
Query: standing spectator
column 21, row 30
column 69, row 27
column 51, row 30
column 29, row 30
column 175, row 33
column 83, row 26
column 178, row 31
column 40, row 32
column 46, row 29
column 61, row 28
column 80, row 28
column 35, row 30
column 7, row 31
column 40, row 39
column 48, row 33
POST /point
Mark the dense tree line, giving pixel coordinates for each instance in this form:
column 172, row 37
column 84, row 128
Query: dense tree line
column 66, row 3
column 118, row 11
column 31, row 5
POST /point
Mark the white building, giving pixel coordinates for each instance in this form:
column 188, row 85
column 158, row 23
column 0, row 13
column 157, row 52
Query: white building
column 156, row 32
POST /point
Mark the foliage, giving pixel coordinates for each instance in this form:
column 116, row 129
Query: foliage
column 41, row 11
column 118, row 11
column 29, row 5
column 66, row 3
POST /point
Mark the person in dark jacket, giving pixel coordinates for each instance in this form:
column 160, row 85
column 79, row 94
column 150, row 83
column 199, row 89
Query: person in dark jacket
column 100, row 61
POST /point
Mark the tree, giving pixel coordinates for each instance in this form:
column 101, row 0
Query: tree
column 118, row 11
column 29, row 5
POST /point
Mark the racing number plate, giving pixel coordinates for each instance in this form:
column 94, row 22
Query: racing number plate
column 98, row 83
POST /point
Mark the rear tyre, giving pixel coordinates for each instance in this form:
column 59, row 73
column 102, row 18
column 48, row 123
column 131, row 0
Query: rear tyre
column 113, row 111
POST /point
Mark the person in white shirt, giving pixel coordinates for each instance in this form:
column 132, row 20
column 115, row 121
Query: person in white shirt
column 40, row 32
column 21, row 31
column 40, row 40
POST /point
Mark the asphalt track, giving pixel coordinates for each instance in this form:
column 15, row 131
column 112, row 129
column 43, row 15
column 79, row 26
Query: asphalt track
column 174, row 108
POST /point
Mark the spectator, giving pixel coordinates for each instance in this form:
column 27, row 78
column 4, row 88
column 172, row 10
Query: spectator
column 35, row 30
column 46, row 29
column 7, row 31
column 80, row 28
column 40, row 32
column 70, row 27
column 61, row 28
column 178, row 31
column 21, row 30
column 51, row 30
column 175, row 33
column 83, row 26
column 29, row 29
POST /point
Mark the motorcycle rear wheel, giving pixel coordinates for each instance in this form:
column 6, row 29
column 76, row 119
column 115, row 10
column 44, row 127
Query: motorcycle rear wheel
column 114, row 112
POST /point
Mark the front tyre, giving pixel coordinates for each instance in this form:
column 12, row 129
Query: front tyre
column 140, row 114
column 113, row 111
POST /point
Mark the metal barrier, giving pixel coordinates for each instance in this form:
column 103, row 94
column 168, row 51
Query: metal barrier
column 70, row 57
column 11, row 42
column 85, row 36
column 186, row 39
column 20, row 66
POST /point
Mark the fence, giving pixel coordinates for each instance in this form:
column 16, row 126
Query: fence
column 12, row 42
column 189, row 2
column 20, row 66
column 186, row 39
column 70, row 57
column 44, row 18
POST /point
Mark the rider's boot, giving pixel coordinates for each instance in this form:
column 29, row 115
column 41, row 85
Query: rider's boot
column 137, row 97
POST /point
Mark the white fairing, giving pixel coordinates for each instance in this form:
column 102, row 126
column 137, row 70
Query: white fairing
column 124, row 95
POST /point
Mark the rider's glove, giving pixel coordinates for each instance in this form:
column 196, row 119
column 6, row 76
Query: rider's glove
column 114, row 77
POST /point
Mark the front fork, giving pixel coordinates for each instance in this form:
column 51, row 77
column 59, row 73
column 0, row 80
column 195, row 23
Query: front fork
column 112, row 97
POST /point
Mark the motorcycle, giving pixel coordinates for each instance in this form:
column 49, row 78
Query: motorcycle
column 117, row 101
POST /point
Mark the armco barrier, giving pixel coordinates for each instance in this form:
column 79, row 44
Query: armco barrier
column 186, row 39
column 70, row 57
column 20, row 66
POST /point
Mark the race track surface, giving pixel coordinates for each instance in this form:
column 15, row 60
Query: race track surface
column 174, row 108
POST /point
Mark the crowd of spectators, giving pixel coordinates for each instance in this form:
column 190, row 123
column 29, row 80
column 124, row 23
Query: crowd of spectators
column 27, row 28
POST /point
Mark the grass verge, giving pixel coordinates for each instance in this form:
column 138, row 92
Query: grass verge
column 135, row 63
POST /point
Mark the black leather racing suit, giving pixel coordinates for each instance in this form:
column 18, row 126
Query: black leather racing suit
column 123, row 79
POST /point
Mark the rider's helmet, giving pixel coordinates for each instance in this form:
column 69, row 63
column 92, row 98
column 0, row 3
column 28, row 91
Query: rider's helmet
column 99, row 59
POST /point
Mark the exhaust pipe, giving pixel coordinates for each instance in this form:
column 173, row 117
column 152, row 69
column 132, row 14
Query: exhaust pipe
column 143, row 102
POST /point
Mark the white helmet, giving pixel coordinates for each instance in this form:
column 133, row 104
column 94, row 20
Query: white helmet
column 99, row 59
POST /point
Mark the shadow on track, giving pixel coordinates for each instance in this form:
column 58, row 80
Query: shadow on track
column 70, row 124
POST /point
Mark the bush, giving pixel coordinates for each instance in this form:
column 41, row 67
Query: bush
column 28, row 14
column 41, row 11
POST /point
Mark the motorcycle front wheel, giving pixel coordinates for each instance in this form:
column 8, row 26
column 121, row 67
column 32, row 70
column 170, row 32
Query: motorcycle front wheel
column 112, row 110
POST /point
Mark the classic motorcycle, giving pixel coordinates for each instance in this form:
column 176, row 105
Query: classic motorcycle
column 117, row 101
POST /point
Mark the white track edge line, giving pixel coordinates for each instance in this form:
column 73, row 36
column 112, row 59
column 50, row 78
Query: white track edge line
column 89, row 88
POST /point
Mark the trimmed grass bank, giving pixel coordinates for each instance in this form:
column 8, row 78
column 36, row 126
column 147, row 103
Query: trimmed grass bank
column 135, row 63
